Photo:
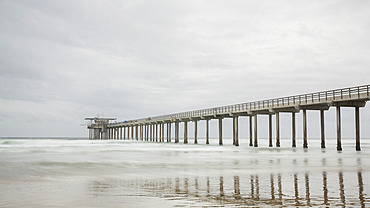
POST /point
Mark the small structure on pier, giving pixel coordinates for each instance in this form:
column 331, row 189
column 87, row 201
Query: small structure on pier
column 98, row 127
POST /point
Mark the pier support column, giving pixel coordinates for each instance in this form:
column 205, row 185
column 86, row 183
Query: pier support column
column 339, row 132
column 137, row 132
column 236, row 130
column 176, row 132
column 141, row 132
column 124, row 133
column 132, row 132
column 207, row 131
column 233, row 130
column 220, row 131
column 153, row 132
column 185, row 132
column 270, row 130
column 305, row 144
column 357, row 121
column 150, row 132
column 277, row 129
column 128, row 132
column 250, row 132
column 162, row 132
column 293, row 130
column 255, row 131
column 156, row 131
column 147, row 132
column 195, row 132
column 169, row 131
column 322, row 121
column 120, row 133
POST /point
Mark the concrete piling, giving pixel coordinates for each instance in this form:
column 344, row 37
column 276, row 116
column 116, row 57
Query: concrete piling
column 195, row 132
column 220, row 131
column 357, row 124
column 277, row 129
column 270, row 130
column 177, row 132
column 207, row 131
column 250, row 132
column 339, row 131
column 293, row 130
column 322, row 122
column 236, row 131
column 185, row 132
column 305, row 144
column 255, row 131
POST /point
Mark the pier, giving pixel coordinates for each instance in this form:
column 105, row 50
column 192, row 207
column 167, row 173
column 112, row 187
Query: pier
column 153, row 128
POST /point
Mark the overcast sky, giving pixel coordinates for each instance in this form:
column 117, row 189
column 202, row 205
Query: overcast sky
column 61, row 61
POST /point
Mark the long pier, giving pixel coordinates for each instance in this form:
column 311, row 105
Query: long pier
column 153, row 128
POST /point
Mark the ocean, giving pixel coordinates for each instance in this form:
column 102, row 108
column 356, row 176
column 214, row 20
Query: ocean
column 77, row 172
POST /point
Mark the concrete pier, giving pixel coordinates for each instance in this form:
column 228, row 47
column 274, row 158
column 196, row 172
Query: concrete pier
column 147, row 128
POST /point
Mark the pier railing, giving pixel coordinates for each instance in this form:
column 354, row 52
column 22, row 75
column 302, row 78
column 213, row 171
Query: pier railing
column 296, row 100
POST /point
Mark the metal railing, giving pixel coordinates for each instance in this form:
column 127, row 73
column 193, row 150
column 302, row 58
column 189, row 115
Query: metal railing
column 310, row 98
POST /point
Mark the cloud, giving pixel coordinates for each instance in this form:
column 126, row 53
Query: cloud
column 61, row 59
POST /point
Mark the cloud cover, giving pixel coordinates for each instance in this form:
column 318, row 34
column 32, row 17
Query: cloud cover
column 62, row 61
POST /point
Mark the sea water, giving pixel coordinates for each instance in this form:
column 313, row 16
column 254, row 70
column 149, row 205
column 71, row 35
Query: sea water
column 73, row 172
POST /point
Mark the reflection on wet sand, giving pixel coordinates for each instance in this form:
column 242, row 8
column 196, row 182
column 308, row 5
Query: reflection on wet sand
column 252, row 190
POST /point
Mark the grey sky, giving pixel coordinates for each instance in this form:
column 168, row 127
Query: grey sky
column 61, row 61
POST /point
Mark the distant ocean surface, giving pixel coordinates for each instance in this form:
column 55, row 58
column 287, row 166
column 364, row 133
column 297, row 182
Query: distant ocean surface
column 75, row 172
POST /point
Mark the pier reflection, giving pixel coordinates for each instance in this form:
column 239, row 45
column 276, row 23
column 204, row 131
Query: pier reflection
column 326, row 188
